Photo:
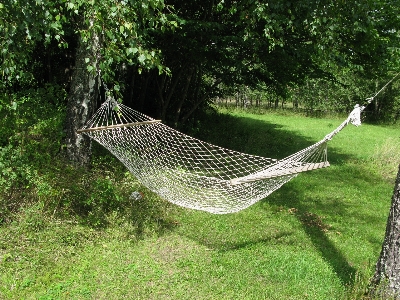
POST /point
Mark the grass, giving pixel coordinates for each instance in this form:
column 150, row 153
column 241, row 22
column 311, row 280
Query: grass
column 318, row 237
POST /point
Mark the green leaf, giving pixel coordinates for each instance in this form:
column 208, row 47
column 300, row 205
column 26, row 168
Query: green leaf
column 160, row 69
column 131, row 50
column 142, row 58
column 121, row 29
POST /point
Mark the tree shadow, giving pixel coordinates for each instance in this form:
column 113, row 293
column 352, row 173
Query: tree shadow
column 256, row 137
column 230, row 246
column 340, row 264
column 316, row 230
column 270, row 140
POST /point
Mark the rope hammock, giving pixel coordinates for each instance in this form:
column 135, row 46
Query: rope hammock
column 195, row 174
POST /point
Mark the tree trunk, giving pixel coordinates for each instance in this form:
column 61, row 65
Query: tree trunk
column 82, row 99
column 130, row 88
column 183, row 95
column 386, row 281
column 139, row 105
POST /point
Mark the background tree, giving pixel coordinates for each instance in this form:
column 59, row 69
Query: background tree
column 101, row 35
column 277, row 45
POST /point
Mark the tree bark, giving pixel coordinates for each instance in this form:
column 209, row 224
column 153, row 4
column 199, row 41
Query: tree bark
column 386, row 281
column 82, row 99
column 183, row 96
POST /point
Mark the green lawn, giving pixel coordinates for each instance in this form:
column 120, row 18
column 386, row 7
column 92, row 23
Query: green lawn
column 318, row 237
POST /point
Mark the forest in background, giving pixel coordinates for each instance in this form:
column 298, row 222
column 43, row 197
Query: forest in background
column 172, row 59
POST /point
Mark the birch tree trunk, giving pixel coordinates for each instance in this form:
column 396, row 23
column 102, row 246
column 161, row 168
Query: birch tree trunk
column 386, row 281
column 82, row 99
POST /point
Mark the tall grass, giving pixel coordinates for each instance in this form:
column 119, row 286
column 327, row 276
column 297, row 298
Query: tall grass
column 80, row 236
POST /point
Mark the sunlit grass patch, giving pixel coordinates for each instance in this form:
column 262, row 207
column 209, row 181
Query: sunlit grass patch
column 386, row 157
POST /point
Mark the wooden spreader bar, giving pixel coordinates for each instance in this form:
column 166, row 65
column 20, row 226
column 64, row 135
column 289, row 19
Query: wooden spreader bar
column 79, row 131
column 278, row 173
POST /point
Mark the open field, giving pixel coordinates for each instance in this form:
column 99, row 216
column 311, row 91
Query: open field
column 318, row 237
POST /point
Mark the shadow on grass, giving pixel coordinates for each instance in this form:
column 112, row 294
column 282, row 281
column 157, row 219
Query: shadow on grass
column 256, row 137
column 316, row 230
column 269, row 140
column 229, row 246
column 331, row 254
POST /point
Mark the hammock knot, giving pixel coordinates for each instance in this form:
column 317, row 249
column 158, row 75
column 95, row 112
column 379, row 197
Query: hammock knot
column 355, row 115
column 113, row 103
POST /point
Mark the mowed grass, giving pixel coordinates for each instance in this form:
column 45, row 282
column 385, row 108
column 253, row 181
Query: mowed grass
column 318, row 237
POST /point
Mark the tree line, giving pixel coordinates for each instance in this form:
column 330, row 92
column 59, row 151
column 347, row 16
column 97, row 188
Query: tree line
column 319, row 97
column 169, row 59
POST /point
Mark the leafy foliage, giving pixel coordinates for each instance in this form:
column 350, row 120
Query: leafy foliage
column 170, row 59
column 31, row 129
column 278, row 46
column 123, row 26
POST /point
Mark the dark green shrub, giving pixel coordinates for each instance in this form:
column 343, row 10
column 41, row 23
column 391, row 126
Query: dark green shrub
column 31, row 129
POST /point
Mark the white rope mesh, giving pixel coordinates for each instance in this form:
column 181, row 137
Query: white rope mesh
column 196, row 174
column 193, row 173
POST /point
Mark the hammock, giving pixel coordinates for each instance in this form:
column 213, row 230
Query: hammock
column 192, row 173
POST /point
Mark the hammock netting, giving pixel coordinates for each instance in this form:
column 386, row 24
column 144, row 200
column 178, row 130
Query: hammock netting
column 190, row 172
